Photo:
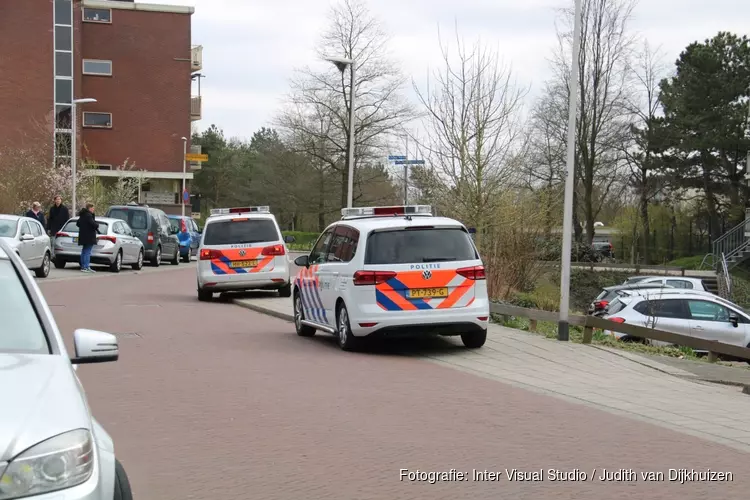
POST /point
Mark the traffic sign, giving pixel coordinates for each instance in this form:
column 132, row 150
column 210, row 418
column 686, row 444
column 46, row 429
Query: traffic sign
column 185, row 196
column 397, row 157
column 409, row 162
column 196, row 157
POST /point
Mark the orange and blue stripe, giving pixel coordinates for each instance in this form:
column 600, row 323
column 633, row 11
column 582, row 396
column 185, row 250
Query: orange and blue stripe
column 309, row 288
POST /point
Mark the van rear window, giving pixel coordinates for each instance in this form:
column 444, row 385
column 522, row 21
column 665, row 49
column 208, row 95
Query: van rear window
column 234, row 232
column 409, row 246
column 136, row 219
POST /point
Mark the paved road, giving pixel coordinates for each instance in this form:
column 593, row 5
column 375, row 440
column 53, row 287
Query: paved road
column 210, row 400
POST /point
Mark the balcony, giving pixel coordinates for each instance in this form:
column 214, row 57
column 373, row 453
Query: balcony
column 196, row 56
column 196, row 108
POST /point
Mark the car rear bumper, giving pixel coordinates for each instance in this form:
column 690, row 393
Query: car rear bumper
column 249, row 281
column 74, row 256
column 454, row 321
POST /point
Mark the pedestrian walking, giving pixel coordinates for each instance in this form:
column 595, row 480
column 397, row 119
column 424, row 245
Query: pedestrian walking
column 87, row 231
column 36, row 213
column 58, row 216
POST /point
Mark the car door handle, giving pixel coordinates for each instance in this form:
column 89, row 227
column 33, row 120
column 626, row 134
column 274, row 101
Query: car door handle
column 698, row 327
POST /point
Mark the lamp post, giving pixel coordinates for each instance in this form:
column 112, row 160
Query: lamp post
column 341, row 63
column 567, row 243
column 184, row 172
column 73, row 143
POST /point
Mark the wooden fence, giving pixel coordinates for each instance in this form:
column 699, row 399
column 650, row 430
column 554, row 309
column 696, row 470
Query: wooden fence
column 589, row 323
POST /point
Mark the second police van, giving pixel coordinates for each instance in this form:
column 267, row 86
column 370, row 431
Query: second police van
column 242, row 249
column 392, row 272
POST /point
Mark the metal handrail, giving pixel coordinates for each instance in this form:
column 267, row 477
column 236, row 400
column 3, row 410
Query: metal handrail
column 731, row 243
column 727, row 277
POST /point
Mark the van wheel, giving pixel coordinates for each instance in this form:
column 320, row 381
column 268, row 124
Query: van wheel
column 346, row 340
column 186, row 258
column 139, row 263
column 205, row 295
column 176, row 260
column 59, row 263
column 474, row 340
column 286, row 290
column 116, row 266
column 156, row 261
column 299, row 315
column 43, row 270
column 122, row 483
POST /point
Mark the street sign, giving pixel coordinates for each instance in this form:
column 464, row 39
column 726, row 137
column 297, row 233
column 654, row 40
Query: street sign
column 409, row 162
column 196, row 157
column 185, row 196
column 396, row 157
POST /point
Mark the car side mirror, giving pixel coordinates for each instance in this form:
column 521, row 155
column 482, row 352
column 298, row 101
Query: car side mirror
column 289, row 239
column 302, row 261
column 92, row 346
column 27, row 237
column 734, row 319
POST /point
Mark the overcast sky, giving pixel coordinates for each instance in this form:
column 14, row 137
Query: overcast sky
column 251, row 48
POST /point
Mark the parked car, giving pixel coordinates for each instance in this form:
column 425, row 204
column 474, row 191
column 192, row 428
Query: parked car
column 608, row 294
column 116, row 245
column 688, row 312
column 28, row 239
column 604, row 248
column 672, row 281
column 188, row 234
column 152, row 227
column 50, row 445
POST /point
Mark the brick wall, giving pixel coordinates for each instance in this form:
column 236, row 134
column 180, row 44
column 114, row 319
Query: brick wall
column 149, row 92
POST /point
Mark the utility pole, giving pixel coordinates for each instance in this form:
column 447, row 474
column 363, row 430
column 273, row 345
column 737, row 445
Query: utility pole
column 406, row 173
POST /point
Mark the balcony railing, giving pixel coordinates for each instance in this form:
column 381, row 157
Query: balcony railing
column 196, row 108
column 196, row 52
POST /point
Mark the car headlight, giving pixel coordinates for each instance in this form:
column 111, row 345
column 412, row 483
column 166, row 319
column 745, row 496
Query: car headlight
column 60, row 462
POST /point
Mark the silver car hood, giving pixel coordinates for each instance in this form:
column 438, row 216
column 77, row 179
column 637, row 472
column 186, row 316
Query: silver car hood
column 40, row 397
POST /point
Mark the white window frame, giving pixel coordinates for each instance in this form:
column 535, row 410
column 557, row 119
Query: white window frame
column 83, row 15
column 96, row 113
column 83, row 66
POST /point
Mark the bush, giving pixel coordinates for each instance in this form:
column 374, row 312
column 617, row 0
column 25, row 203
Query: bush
column 302, row 240
column 586, row 284
column 694, row 262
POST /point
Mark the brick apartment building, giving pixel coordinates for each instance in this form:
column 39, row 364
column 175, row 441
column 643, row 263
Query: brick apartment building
column 135, row 59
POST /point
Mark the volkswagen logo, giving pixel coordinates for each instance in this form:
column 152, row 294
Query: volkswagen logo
column 427, row 274
column 242, row 253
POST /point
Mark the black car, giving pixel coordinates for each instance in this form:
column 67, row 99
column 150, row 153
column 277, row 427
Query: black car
column 610, row 293
column 604, row 248
column 153, row 228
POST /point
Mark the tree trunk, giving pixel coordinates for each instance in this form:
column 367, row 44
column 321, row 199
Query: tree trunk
column 713, row 216
column 645, row 229
column 322, row 203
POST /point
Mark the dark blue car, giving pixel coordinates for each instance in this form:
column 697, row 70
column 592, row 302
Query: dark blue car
column 188, row 234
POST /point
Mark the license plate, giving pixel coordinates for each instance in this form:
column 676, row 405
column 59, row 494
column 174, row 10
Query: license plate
column 426, row 293
column 243, row 263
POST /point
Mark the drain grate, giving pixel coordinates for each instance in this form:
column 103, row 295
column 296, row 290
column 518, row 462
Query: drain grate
column 128, row 335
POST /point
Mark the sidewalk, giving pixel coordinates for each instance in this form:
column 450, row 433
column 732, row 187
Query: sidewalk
column 618, row 382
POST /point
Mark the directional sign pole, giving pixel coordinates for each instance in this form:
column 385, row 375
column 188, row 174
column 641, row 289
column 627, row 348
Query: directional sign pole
column 406, row 175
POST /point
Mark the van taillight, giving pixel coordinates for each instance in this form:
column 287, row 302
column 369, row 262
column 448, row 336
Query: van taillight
column 372, row 277
column 472, row 273
column 150, row 237
column 208, row 254
column 274, row 250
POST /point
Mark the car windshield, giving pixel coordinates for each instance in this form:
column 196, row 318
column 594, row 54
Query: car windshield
column 407, row 246
column 231, row 232
column 602, row 294
column 636, row 279
column 175, row 223
column 8, row 227
column 20, row 329
column 72, row 227
column 615, row 306
column 136, row 219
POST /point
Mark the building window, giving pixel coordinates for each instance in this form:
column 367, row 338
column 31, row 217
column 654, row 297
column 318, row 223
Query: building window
column 63, row 12
column 97, row 67
column 97, row 15
column 63, row 91
column 63, row 35
column 97, row 120
column 103, row 167
column 64, row 64
column 63, row 144
column 63, row 118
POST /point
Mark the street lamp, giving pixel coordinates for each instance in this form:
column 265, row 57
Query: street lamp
column 567, row 243
column 73, row 143
column 341, row 63
column 184, row 172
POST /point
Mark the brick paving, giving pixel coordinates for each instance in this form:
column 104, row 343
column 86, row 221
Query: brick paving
column 210, row 400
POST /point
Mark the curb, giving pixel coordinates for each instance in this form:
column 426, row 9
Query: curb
column 264, row 310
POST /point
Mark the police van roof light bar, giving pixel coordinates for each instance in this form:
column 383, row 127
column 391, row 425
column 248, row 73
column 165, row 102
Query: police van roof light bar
column 241, row 210
column 387, row 211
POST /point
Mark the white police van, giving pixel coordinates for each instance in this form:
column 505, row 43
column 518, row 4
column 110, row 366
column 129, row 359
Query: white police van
column 392, row 272
column 242, row 249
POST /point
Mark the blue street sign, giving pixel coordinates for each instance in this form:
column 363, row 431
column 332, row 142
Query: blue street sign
column 185, row 196
column 396, row 157
column 409, row 162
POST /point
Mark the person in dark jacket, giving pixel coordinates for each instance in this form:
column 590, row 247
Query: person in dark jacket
column 36, row 213
column 58, row 216
column 87, row 231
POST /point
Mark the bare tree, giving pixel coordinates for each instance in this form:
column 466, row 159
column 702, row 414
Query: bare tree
column 473, row 128
column 604, row 90
column 379, row 107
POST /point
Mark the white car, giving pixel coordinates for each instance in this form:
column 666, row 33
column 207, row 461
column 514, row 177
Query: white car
column 672, row 281
column 687, row 312
column 392, row 272
column 51, row 447
column 29, row 240
column 242, row 249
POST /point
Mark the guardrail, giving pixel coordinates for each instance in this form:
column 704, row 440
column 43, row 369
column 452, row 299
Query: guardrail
column 589, row 323
column 637, row 267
